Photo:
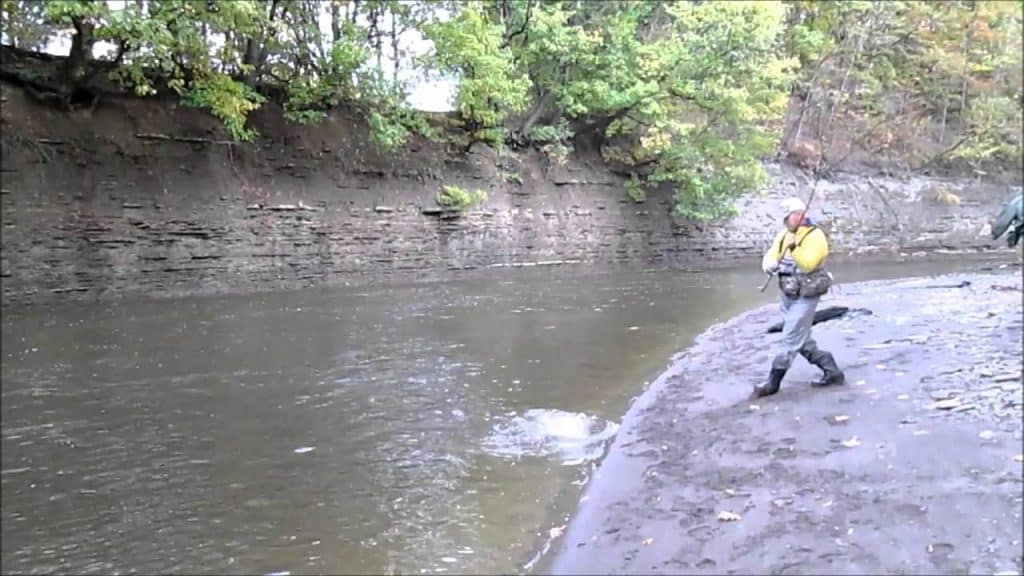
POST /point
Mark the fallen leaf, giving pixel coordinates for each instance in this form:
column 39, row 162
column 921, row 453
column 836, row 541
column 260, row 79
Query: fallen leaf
column 726, row 516
column 851, row 443
column 647, row 541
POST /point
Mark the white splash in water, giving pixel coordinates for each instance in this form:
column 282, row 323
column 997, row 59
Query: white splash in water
column 571, row 438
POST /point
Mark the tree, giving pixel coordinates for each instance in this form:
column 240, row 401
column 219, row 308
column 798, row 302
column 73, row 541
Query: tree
column 691, row 95
column 490, row 86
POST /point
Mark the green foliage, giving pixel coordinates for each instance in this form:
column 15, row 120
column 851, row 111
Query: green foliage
column 490, row 87
column 512, row 178
column 24, row 23
column 690, row 95
column 553, row 140
column 227, row 99
column 547, row 134
column 452, row 196
column 635, row 190
column 939, row 81
column 67, row 12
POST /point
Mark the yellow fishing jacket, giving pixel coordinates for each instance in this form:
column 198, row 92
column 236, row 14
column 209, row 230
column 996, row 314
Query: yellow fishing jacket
column 811, row 248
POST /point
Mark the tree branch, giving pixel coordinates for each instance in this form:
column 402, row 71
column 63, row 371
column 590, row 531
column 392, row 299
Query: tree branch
column 522, row 28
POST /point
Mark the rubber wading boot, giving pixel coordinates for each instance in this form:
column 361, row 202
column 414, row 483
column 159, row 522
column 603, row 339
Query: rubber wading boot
column 833, row 375
column 774, row 381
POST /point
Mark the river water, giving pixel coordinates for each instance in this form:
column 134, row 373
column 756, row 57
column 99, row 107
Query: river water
column 413, row 428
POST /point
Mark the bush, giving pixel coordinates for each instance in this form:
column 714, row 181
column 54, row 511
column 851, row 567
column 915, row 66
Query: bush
column 459, row 198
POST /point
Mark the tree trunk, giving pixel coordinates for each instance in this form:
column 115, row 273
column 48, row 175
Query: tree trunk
column 335, row 22
column 251, row 60
column 967, row 59
column 76, row 68
column 394, row 44
column 942, row 128
column 538, row 112
column 256, row 51
column 376, row 36
column 842, row 92
column 808, row 99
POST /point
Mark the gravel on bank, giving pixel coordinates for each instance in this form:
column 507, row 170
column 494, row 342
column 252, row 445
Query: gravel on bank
column 914, row 466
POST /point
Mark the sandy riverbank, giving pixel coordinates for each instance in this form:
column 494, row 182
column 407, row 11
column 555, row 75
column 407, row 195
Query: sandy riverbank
column 913, row 467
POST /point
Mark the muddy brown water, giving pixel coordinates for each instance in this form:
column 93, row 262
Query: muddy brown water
column 414, row 428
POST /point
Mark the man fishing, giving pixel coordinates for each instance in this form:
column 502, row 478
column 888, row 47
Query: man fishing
column 797, row 256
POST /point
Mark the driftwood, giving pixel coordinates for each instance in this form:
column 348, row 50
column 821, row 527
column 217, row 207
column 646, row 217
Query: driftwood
column 961, row 284
column 824, row 315
column 187, row 139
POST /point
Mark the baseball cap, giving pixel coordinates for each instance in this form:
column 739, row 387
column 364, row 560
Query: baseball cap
column 792, row 204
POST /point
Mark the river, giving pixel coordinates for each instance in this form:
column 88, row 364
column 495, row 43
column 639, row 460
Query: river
column 414, row 428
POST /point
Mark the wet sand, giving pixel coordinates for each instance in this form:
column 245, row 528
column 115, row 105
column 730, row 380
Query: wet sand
column 914, row 466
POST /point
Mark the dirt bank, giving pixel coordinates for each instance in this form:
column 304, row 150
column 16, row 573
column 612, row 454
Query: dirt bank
column 913, row 467
column 141, row 197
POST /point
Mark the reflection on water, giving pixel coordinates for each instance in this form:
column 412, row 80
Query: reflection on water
column 419, row 429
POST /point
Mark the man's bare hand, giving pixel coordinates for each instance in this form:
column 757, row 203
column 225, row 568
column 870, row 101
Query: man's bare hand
column 789, row 241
